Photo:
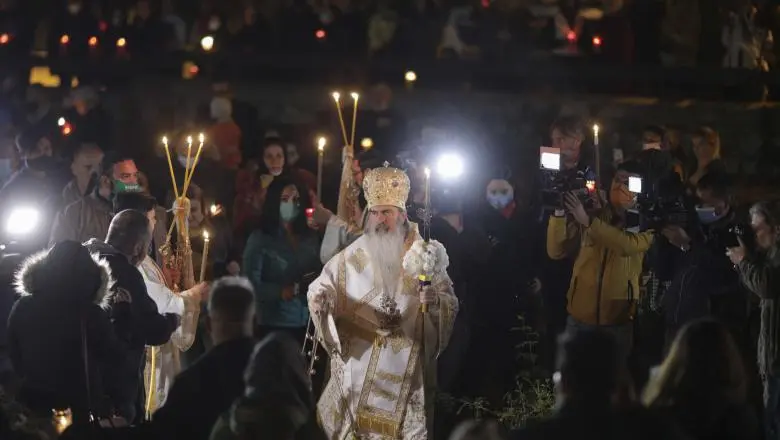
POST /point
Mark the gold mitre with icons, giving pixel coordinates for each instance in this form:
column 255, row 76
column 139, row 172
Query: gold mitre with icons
column 386, row 186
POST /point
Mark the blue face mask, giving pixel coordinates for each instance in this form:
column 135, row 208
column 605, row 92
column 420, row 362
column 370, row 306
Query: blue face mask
column 289, row 211
column 499, row 201
column 707, row 215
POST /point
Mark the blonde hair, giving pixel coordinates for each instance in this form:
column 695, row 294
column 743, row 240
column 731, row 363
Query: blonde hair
column 703, row 367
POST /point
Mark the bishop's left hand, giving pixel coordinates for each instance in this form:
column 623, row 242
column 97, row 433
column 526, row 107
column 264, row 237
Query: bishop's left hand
column 427, row 295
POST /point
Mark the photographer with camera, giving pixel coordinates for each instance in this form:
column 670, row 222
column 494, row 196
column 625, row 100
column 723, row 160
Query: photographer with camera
column 604, row 285
column 704, row 283
column 759, row 271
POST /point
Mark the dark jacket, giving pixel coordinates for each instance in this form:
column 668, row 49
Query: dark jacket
column 202, row 392
column 278, row 400
column 705, row 283
column 138, row 325
column 45, row 332
column 761, row 275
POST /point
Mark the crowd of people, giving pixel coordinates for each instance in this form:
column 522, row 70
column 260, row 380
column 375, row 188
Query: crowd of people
column 728, row 34
column 678, row 309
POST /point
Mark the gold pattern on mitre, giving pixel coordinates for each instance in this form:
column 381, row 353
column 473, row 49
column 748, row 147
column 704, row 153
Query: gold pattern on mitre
column 386, row 186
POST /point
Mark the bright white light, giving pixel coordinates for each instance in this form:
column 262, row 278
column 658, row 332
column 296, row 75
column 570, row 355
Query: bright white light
column 22, row 221
column 410, row 76
column 635, row 184
column 550, row 161
column 449, row 166
column 61, row 122
column 207, row 43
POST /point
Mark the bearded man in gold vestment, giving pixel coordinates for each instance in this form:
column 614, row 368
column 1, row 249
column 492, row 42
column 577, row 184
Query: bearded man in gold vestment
column 367, row 313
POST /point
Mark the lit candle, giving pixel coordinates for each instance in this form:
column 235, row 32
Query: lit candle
column 409, row 78
column 320, row 153
column 213, row 210
column 355, row 98
column 204, row 258
column 427, row 200
column 170, row 166
column 337, row 99
column 188, row 176
column 597, row 153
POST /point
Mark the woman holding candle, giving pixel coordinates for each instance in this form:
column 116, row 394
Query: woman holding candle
column 280, row 259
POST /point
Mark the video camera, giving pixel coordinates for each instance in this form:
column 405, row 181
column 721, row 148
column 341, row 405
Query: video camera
column 660, row 197
column 557, row 182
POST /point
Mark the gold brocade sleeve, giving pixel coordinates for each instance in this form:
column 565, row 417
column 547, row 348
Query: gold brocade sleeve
column 445, row 311
column 184, row 336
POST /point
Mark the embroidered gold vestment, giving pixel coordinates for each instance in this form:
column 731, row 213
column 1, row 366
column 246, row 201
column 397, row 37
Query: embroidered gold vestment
column 167, row 357
column 376, row 388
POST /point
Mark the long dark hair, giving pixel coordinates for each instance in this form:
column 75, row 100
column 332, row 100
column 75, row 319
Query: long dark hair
column 271, row 221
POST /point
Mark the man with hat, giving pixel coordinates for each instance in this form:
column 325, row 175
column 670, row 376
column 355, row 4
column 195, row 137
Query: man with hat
column 366, row 307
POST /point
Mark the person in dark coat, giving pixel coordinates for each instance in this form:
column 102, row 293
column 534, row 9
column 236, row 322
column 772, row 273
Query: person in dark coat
column 125, row 247
column 60, row 317
column 209, row 386
column 278, row 402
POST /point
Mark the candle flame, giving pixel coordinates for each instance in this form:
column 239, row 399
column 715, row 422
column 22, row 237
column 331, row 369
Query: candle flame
column 596, row 128
column 355, row 95
column 165, row 140
column 189, row 139
column 321, row 143
column 201, row 138
column 213, row 209
column 206, row 235
column 336, row 96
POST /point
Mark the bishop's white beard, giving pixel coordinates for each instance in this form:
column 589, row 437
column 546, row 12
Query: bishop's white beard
column 386, row 251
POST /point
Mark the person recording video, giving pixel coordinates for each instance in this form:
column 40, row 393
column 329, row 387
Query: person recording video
column 604, row 286
column 704, row 283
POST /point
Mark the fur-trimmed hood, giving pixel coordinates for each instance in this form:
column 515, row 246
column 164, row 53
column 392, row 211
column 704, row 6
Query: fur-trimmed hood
column 67, row 268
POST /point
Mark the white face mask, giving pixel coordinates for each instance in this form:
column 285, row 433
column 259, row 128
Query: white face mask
column 651, row 146
column 275, row 172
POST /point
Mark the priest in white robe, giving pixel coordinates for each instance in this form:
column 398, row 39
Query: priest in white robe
column 367, row 312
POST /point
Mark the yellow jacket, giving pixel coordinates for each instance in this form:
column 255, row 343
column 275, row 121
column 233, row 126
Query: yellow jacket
column 604, row 286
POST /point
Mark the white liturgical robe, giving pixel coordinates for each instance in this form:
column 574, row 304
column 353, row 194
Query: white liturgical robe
column 376, row 388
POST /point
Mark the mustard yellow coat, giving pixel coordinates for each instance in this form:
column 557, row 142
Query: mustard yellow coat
column 604, row 286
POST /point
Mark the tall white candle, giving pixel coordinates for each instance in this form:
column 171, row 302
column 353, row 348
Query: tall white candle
column 320, row 154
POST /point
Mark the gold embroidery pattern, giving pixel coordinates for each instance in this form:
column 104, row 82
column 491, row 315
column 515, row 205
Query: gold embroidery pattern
column 389, row 377
column 359, row 260
column 411, row 285
column 374, row 419
column 341, row 286
column 385, row 394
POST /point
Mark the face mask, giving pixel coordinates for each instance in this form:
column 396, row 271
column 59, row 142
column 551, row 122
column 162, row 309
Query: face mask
column 74, row 9
column 620, row 196
column 651, row 146
column 499, row 201
column 43, row 163
column 121, row 187
column 707, row 215
column 288, row 211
